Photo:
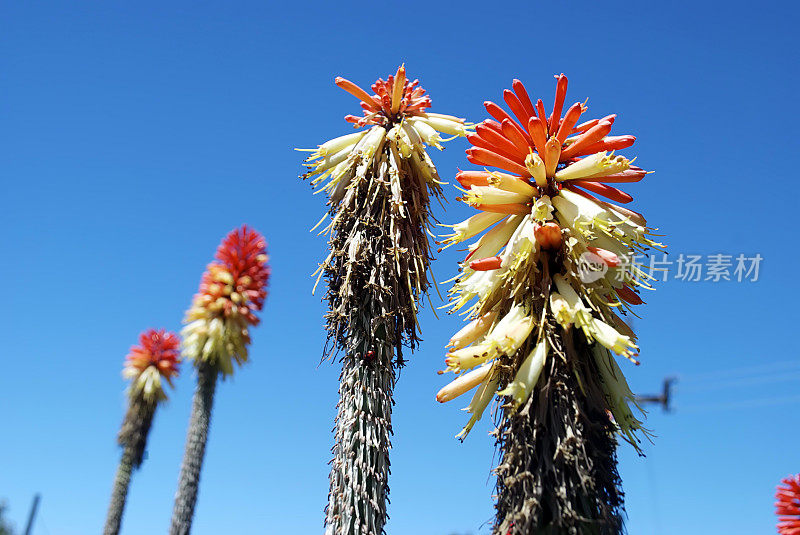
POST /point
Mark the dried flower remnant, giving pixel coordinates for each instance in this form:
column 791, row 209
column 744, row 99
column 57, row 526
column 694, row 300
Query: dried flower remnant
column 554, row 322
column 379, row 182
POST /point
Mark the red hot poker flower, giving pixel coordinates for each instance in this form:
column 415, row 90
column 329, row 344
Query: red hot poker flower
column 155, row 357
column 232, row 290
column 787, row 505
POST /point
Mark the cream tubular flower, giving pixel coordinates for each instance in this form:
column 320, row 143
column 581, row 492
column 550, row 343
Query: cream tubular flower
column 473, row 330
column 463, row 383
column 613, row 340
column 527, row 376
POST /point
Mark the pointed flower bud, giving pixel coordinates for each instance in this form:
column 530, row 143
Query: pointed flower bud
column 548, row 235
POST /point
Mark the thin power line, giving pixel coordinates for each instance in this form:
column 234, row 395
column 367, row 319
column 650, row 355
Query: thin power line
column 726, row 372
column 765, row 402
column 743, row 381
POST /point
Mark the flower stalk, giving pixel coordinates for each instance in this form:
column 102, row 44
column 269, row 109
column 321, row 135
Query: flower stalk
column 379, row 182
column 544, row 287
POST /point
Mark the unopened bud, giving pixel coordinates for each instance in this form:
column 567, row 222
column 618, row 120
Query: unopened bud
column 548, row 236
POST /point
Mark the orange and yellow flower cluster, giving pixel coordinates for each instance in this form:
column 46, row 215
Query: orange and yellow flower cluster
column 551, row 252
column 232, row 290
column 155, row 358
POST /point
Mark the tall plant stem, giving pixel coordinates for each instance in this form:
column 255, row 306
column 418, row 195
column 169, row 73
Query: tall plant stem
column 133, row 439
column 360, row 465
column 196, row 438
column 119, row 493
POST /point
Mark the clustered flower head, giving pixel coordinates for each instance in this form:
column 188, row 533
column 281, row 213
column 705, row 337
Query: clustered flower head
column 232, row 290
column 397, row 116
column 552, row 255
column 379, row 181
column 155, row 358
column 787, row 505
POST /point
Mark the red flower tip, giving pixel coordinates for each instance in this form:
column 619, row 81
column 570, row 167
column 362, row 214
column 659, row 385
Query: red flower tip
column 486, row 264
column 506, row 140
column 787, row 505
column 394, row 97
column 236, row 282
column 157, row 348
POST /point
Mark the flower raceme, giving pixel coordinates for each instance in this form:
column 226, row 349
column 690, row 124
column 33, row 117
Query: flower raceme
column 546, row 204
column 397, row 115
column 232, row 290
column 156, row 357
column 787, row 505
column 381, row 177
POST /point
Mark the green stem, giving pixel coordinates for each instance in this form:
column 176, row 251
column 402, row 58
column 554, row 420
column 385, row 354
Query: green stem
column 196, row 438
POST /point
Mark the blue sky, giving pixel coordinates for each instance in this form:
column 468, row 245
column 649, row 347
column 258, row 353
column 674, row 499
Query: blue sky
column 134, row 135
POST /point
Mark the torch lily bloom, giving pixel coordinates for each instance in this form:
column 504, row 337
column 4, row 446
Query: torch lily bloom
column 540, row 199
column 544, row 283
column 787, row 505
column 156, row 357
column 379, row 182
column 232, row 290
column 396, row 116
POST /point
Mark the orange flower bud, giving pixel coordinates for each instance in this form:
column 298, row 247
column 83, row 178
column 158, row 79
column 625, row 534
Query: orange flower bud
column 548, row 235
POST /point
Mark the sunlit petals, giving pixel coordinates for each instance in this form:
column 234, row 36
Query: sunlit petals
column 473, row 330
column 536, row 167
column 493, row 195
column 471, row 356
column 787, row 505
column 596, row 165
column 613, row 340
column 471, row 227
column 591, row 136
column 542, row 209
column 490, row 243
column 481, row 156
column 463, row 383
